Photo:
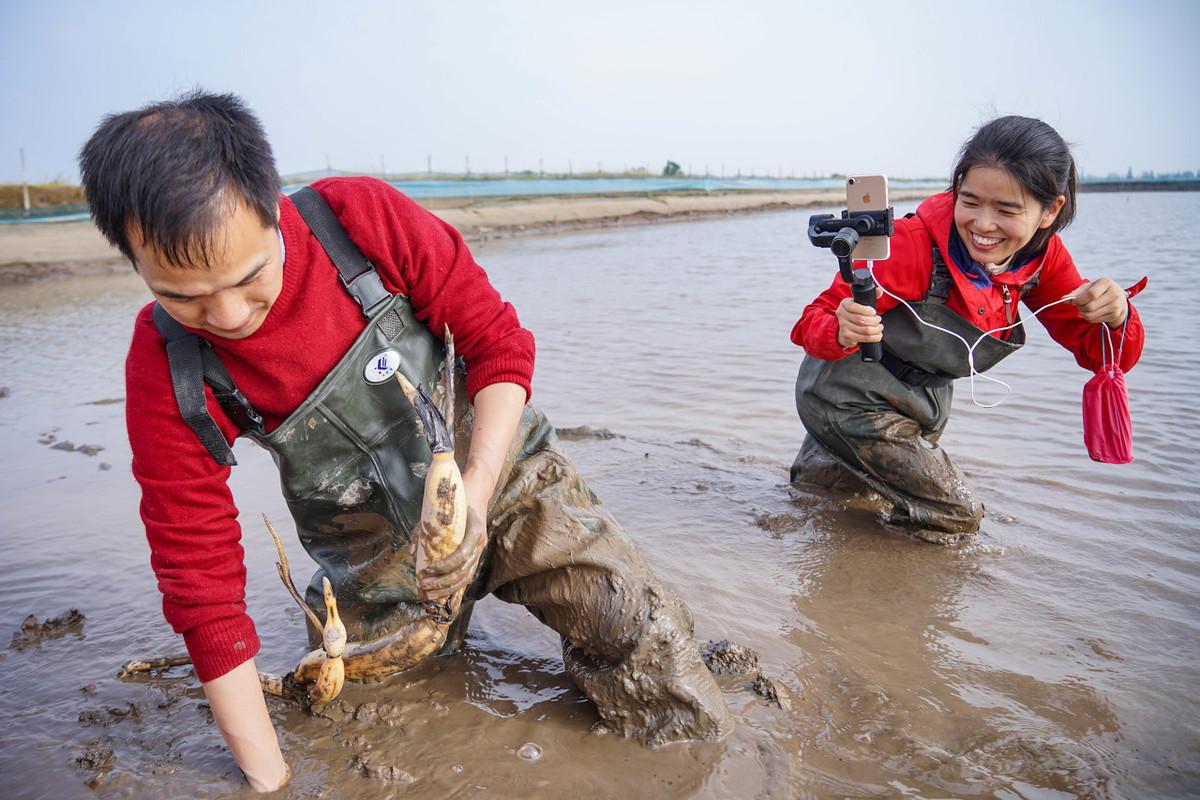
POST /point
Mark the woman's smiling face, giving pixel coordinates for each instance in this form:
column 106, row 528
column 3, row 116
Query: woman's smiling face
column 995, row 217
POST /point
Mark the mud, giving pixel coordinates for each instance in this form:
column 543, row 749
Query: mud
column 627, row 640
column 98, row 757
column 778, row 524
column 109, row 716
column 67, row 445
column 729, row 659
column 585, row 432
column 726, row 658
column 33, row 633
column 768, row 690
column 374, row 767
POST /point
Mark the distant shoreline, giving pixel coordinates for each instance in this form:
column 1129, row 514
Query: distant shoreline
column 1140, row 186
column 37, row 251
column 32, row 252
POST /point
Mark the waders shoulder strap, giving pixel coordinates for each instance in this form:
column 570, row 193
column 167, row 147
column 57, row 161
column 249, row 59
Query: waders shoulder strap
column 193, row 363
column 940, row 281
column 357, row 273
column 1032, row 283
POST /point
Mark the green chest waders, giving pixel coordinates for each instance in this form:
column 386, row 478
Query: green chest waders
column 882, row 421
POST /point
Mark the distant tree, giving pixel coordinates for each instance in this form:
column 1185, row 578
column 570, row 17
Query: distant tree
column 671, row 170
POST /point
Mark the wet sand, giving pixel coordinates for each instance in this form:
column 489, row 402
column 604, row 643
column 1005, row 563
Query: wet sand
column 46, row 250
column 1055, row 656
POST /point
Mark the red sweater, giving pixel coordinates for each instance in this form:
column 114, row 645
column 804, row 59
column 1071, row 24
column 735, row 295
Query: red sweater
column 906, row 273
column 191, row 521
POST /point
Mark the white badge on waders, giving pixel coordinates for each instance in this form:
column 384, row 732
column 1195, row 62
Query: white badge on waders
column 382, row 366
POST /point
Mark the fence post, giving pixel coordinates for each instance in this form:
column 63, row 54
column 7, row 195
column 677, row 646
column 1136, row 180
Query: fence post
column 24, row 184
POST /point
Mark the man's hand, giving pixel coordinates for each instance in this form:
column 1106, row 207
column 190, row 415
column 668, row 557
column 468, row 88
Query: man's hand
column 497, row 411
column 1102, row 301
column 441, row 579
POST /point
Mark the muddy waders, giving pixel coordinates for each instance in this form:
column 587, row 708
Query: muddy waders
column 352, row 465
column 879, row 424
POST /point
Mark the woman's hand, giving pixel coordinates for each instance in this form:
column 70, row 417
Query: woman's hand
column 857, row 324
column 1102, row 301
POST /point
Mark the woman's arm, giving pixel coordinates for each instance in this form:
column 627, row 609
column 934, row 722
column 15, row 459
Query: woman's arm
column 1074, row 324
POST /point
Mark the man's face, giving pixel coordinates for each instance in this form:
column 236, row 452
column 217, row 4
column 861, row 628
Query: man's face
column 231, row 297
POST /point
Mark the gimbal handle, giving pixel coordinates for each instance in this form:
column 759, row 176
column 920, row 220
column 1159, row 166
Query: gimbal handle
column 841, row 235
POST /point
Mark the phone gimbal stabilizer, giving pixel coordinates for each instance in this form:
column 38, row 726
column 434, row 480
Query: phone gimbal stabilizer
column 841, row 235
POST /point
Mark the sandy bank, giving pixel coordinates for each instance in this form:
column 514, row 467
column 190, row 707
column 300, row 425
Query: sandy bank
column 39, row 251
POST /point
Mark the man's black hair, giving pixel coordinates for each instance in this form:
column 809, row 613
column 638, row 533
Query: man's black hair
column 174, row 170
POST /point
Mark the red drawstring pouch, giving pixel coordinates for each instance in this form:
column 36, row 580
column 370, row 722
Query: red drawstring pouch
column 1107, row 428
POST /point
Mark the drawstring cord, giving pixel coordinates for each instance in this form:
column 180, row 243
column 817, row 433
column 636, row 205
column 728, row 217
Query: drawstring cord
column 1110, row 368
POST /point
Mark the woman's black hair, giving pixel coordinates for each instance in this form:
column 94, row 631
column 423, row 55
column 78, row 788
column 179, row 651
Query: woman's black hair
column 1037, row 158
column 174, row 170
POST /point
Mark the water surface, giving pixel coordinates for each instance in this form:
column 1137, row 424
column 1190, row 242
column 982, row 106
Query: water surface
column 1054, row 657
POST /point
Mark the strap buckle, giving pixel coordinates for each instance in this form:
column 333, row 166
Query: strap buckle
column 237, row 407
column 367, row 289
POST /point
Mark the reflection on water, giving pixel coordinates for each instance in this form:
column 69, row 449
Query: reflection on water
column 1055, row 657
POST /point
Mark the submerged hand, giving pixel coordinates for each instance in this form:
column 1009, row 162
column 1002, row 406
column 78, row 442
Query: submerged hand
column 441, row 579
column 1101, row 301
column 267, row 785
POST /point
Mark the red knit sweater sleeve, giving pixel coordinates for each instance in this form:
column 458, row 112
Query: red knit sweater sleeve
column 1085, row 340
column 421, row 256
column 189, row 514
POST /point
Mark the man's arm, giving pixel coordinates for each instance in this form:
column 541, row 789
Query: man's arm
column 240, row 711
column 498, row 408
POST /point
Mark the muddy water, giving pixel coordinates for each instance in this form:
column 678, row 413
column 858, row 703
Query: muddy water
column 1055, row 657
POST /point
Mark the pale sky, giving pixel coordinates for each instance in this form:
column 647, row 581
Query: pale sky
column 744, row 84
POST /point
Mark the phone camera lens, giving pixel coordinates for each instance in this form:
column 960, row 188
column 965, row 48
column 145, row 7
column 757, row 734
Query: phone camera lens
column 851, row 181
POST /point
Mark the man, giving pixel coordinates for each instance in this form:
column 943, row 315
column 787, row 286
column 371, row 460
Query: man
column 188, row 190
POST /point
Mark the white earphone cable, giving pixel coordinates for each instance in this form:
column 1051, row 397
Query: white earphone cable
column 970, row 347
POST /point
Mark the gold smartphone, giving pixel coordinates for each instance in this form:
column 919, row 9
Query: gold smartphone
column 868, row 193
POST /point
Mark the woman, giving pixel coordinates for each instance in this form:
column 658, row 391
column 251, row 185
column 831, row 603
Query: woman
column 963, row 260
